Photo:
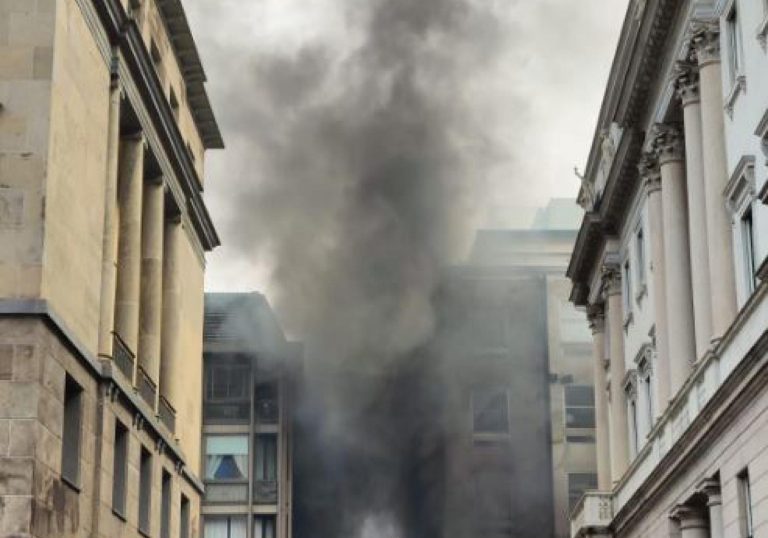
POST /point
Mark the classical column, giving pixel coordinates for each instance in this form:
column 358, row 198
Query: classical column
column 692, row 522
column 688, row 91
column 109, row 240
column 721, row 267
column 130, row 188
column 619, row 433
column 596, row 316
column 711, row 488
column 170, row 359
column 649, row 171
column 668, row 145
column 151, row 306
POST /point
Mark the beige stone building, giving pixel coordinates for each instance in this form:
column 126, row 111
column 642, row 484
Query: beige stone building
column 670, row 262
column 250, row 378
column 103, row 126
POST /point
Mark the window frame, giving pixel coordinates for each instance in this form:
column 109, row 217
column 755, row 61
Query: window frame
column 744, row 497
column 166, row 492
column 260, row 465
column 72, row 433
column 474, row 416
column 567, row 406
column 146, row 469
column 121, row 450
column 207, row 478
column 640, row 262
column 741, row 199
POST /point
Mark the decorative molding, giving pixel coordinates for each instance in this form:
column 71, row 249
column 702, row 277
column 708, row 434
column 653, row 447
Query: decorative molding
column 740, row 190
column 596, row 318
column 666, row 141
column 648, row 169
column 739, row 87
column 762, row 33
column 686, row 76
column 706, row 41
column 761, row 131
column 629, row 384
column 611, row 279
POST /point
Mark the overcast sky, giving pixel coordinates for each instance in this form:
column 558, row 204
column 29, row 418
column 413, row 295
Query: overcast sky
column 537, row 97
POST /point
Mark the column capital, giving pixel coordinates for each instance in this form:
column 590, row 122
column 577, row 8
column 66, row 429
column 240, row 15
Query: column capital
column 648, row 168
column 706, row 41
column 667, row 143
column 611, row 277
column 596, row 317
column 686, row 75
column 711, row 489
column 689, row 517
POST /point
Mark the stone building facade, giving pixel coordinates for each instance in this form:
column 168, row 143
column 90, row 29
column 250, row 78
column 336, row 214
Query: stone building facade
column 249, row 381
column 670, row 264
column 103, row 232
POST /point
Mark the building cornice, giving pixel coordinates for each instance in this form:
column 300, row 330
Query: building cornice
column 124, row 34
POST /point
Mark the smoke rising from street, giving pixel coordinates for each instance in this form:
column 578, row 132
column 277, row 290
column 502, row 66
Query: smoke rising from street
column 362, row 156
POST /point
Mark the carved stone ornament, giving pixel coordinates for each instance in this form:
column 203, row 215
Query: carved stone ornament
column 587, row 197
column 706, row 41
column 611, row 276
column 667, row 143
column 596, row 317
column 687, row 82
column 648, row 168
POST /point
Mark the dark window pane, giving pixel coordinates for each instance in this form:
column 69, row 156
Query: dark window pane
column 579, row 395
column 73, row 412
column 490, row 409
column 580, row 417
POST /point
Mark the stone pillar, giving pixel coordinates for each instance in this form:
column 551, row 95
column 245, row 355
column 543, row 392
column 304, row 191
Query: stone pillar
column 130, row 189
column 602, row 448
column 677, row 266
column 170, row 360
column 711, row 488
column 109, row 240
column 692, row 522
column 151, row 306
column 688, row 91
column 720, row 248
column 619, row 436
column 649, row 170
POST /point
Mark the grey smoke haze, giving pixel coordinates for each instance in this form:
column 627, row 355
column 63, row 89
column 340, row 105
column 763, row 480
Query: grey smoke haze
column 366, row 140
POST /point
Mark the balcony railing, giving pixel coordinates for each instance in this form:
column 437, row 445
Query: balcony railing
column 123, row 357
column 592, row 513
column 146, row 387
column 167, row 414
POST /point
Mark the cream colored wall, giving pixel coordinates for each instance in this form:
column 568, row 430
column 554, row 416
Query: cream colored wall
column 189, row 381
column 153, row 30
column 25, row 87
column 74, row 202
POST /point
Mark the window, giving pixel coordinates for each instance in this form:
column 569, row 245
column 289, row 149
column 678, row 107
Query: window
column 579, row 406
column 226, row 457
column 734, row 44
column 490, row 408
column 634, row 441
column 267, row 410
column 174, row 104
column 578, row 483
column 264, row 527
column 493, row 496
column 646, row 395
column 266, row 457
column 640, row 256
column 225, row 527
column 745, row 505
column 227, row 391
column 145, row 491
column 71, row 434
column 157, row 58
column 748, row 248
column 165, row 506
column 120, row 468
column 184, row 517
column 627, row 288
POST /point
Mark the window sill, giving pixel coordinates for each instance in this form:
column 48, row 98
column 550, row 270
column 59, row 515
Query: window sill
column 71, row 484
column 119, row 515
column 739, row 87
column 144, row 532
column 762, row 33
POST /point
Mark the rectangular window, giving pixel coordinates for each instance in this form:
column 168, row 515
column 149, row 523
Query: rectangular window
column 226, row 457
column 745, row 505
column 184, row 518
column 165, row 506
column 264, row 527
column 634, row 442
column 267, row 410
column 647, row 395
column 174, row 102
column 748, row 246
column 627, row 285
column 71, row 433
column 579, row 406
column 120, row 468
column 640, row 256
column 227, row 390
column 578, row 483
column 225, row 527
column 490, row 409
column 266, row 457
column 734, row 44
column 145, row 491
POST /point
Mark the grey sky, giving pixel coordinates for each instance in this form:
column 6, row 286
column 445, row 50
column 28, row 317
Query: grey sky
column 537, row 98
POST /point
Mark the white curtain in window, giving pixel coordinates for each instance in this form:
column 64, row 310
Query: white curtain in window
column 215, row 527
column 237, row 528
column 264, row 527
column 226, row 457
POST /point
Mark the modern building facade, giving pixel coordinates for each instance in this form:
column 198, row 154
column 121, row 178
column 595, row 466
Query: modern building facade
column 249, row 382
column 103, row 233
column 670, row 263
column 516, row 437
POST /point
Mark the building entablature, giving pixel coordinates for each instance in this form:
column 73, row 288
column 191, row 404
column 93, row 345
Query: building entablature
column 133, row 72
